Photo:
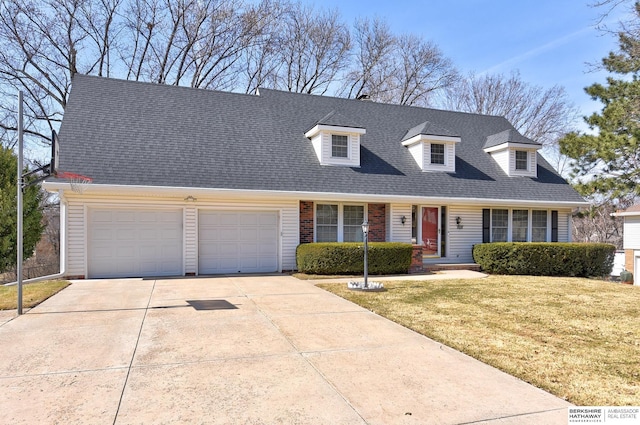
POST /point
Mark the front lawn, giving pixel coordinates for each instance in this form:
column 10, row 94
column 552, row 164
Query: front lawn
column 576, row 338
column 32, row 293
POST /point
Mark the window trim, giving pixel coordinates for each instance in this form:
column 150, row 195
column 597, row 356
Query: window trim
column 549, row 236
column 444, row 154
column 347, row 147
column 341, row 205
column 526, row 160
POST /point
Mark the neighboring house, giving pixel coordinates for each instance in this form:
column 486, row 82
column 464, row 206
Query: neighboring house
column 189, row 181
column 631, row 240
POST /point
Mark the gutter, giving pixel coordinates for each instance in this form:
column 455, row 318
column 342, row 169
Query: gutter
column 180, row 192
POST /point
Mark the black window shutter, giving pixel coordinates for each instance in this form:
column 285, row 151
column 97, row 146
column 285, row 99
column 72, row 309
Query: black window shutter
column 486, row 225
column 554, row 226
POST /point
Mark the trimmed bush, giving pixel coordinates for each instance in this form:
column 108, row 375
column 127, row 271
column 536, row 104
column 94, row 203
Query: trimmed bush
column 348, row 258
column 545, row 258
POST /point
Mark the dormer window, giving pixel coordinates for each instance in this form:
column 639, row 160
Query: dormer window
column 514, row 153
column 336, row 140
column 432, row 147
column 339, row 146
column 522, row 160
column 437, row 153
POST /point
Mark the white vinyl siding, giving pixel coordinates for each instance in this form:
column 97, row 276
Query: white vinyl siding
column 506, row 160
column 461, row 241
column 631, row 233
column 190, row 240
column 449, row 165
column 326, row 154
column 76, row 240
column 530, row 171
column 564, row 226
column 502, row 159
column 399, row 232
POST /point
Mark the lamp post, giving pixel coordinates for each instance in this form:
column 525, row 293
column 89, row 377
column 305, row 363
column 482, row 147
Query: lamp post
column 365, row 235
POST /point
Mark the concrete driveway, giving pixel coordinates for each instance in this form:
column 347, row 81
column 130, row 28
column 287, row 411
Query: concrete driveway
column 241, row 350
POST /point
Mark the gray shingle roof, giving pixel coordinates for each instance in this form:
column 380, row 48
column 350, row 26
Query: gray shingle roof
column 508, row 136
column 428, row 129
column 336, row 119
column 130, row 133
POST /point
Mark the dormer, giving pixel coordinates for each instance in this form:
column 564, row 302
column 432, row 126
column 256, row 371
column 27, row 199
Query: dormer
column 336, row 140
column 514, row 153
column 432, row 147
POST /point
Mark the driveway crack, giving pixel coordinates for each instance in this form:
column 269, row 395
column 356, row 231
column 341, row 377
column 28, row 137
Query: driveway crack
column 133, row 355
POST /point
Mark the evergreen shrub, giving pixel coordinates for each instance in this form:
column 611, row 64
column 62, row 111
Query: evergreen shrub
column 545, row 258
column 348, row 258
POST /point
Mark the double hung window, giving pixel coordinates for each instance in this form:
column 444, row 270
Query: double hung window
column 437, row 153
column 339, row 146
column 339, row 223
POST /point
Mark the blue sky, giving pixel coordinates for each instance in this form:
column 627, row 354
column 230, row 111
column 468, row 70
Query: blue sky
column 548, row 41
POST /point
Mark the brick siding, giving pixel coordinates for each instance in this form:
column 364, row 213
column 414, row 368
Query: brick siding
column 377, row 222
column 417, row 265
column 306, row 221
column 628, row 260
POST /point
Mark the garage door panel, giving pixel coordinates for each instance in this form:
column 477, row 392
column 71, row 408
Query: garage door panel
column 237, row 241
column 134, row 242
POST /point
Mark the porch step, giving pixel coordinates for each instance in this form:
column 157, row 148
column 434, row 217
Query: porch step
column 459, row 266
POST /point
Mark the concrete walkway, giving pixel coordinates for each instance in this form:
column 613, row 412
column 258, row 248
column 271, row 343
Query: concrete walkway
column 241, row 350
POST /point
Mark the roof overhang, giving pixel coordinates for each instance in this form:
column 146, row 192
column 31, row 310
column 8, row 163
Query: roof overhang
column 626, row 214
column 333, row 128
column 212, row 193
column 429, row 138
column 508, row 145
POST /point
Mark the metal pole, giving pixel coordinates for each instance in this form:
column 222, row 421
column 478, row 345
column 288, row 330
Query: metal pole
column 19, row 202
column 366, row 268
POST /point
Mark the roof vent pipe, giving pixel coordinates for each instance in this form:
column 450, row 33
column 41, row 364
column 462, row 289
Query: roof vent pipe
column 365, row 97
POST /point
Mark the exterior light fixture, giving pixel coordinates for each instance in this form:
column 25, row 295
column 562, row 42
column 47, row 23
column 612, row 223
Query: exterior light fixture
column 459, row 222
column 403, row 220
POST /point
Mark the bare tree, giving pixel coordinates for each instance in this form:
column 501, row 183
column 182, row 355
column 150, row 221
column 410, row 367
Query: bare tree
column 395, row 69
column 595, row 224
column 370, row 64
column 539, row 114
column 40, row 42
column 420, row 69
column 313, row 49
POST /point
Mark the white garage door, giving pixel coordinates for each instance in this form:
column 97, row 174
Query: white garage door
column 237, row 242
column 134, row 243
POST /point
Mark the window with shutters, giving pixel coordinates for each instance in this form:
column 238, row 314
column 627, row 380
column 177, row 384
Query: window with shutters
column 519, row 225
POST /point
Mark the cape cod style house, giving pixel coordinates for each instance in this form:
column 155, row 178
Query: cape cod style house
column 191, row 182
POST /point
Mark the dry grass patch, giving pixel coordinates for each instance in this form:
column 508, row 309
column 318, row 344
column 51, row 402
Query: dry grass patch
column 576, row 338
column 32, row 293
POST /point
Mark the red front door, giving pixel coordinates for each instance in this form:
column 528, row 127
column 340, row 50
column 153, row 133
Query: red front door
column 430, row 230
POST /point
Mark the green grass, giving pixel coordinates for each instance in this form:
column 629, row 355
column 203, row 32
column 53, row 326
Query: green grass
column 32, row 293
column 576, row 338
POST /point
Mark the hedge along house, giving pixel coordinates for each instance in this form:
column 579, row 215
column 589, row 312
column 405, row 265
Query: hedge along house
column 192, row 182
column 631, row 240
